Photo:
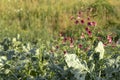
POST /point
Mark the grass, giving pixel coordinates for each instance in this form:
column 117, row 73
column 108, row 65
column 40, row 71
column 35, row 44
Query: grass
column 34, row 19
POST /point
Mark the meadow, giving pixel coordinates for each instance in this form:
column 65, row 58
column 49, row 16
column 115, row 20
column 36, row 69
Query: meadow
column 59, row 40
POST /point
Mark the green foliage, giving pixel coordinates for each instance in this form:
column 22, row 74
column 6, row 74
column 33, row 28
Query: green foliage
column 85, row 49
column 21, row 60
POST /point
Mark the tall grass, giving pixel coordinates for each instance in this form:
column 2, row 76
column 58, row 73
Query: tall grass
column 34, row 19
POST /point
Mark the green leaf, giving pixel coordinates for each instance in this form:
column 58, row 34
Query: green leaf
column 79, row 67
column 100, row 49
column 2, row 59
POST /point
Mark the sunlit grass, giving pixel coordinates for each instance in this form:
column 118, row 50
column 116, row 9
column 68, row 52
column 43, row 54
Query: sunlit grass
column 33, row 17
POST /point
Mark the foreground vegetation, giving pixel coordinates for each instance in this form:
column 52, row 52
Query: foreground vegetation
column 49, row 40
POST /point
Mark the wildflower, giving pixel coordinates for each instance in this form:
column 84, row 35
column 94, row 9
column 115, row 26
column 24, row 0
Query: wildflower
column 82, row 33
column 65, row 52
column 88, row 18
column 71, row 40
column 71, row 45
column 76, row 22
column 80, row 12
column 78, row 17
column 87, row 29
column 109, row 38
column 82, row 36
column 82, row 21
column 80, row 45
column 68, row 38
column 65, row 39
column 89, row 23
column 57, row 47
column 89, row 32
column 94, row 23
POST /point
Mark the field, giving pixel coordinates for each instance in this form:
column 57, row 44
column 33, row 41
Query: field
column 59, row 40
